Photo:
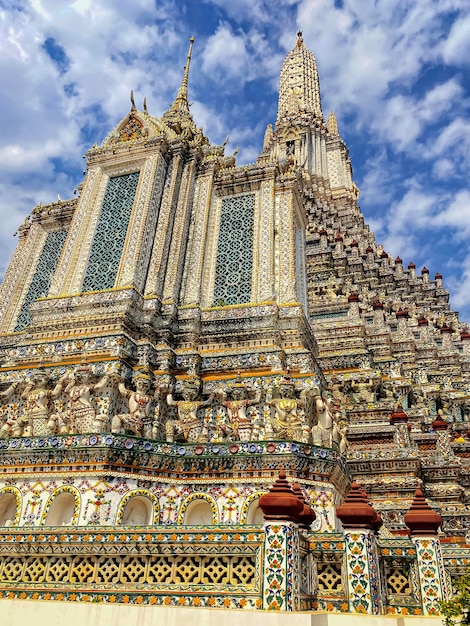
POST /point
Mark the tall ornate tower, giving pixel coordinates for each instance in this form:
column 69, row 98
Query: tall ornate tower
column 186, row 328
column 302, row 140
column 165, row 312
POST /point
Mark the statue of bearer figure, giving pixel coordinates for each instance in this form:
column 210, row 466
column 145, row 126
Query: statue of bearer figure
column 239, row 427
column 138, row 419
column 81, row 417
column 189, row 426
column 289, row 421
column 36, row 410
column 11, row 425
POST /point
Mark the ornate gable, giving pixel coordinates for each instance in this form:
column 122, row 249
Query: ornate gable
column 132, row 128
column 135, row 126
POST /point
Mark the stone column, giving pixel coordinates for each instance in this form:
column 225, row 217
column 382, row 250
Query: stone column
column 281, row 567
column 440, row 426
column 464, row 338
column 353, row 301
column 399, row 419
column 361, row 522
column 423, row 523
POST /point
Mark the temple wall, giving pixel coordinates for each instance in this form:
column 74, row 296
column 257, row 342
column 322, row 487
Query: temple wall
column 59, row 613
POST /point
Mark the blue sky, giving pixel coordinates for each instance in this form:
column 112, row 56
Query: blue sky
column 396, row 73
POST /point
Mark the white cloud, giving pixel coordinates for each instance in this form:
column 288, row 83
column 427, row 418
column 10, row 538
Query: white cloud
column 372, row 184
column 252, row 10
column 210, row 120
column 452, row 141
column 403, row 118
column 406, row 217
column 233, row 58
column 460, row 288
column 456, row 214
column 456, row 47
column 367, row 49
column 225, row 55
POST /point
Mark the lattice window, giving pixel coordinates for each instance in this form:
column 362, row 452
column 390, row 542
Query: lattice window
column 35, row 569
column 235, row 251
column 398, row 573
column 242, row 570
column 42, row 277
column 308, row 575
column 110, row 235
column 112, row 570
column 329, row 577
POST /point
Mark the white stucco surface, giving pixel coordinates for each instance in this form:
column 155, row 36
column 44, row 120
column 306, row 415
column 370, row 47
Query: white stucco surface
column 22, row 613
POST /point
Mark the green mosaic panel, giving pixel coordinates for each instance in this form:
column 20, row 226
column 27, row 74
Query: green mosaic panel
column 42, row 277
column 110, row 235
column 235, row 251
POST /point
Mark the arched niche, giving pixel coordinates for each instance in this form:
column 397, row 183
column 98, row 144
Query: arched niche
column 61, row 511
column 254, row 514
column 138, row 508
column 8, row 508
column 138, row 511
column 199, row 512
column 250, row 512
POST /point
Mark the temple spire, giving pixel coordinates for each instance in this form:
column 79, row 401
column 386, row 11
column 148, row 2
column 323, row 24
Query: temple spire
column 181, row 101
column 299, row 87
column 333, row 124
column 178, row 116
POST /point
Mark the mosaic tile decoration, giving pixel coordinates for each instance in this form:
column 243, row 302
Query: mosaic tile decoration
column 234, row 254
column 362, row 573
column 42, row 277
column 401, row 578
column 431, row 573
column 278, row 554
column 177, row 449
column 192, row 566
column 110, row 234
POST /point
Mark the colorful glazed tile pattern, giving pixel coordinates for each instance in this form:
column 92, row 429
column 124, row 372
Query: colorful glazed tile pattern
column 189, row 566
column 362, row 578
column 402, row 593
column 431, row 574
column 277, row 581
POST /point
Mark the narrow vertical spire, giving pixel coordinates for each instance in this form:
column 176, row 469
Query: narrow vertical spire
column 181, row 101
column 178, row 116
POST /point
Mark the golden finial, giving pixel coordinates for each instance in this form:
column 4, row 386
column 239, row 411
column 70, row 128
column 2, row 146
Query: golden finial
column 145, row 106
column 300, row 40
column 133, row 107
column 332, row 124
